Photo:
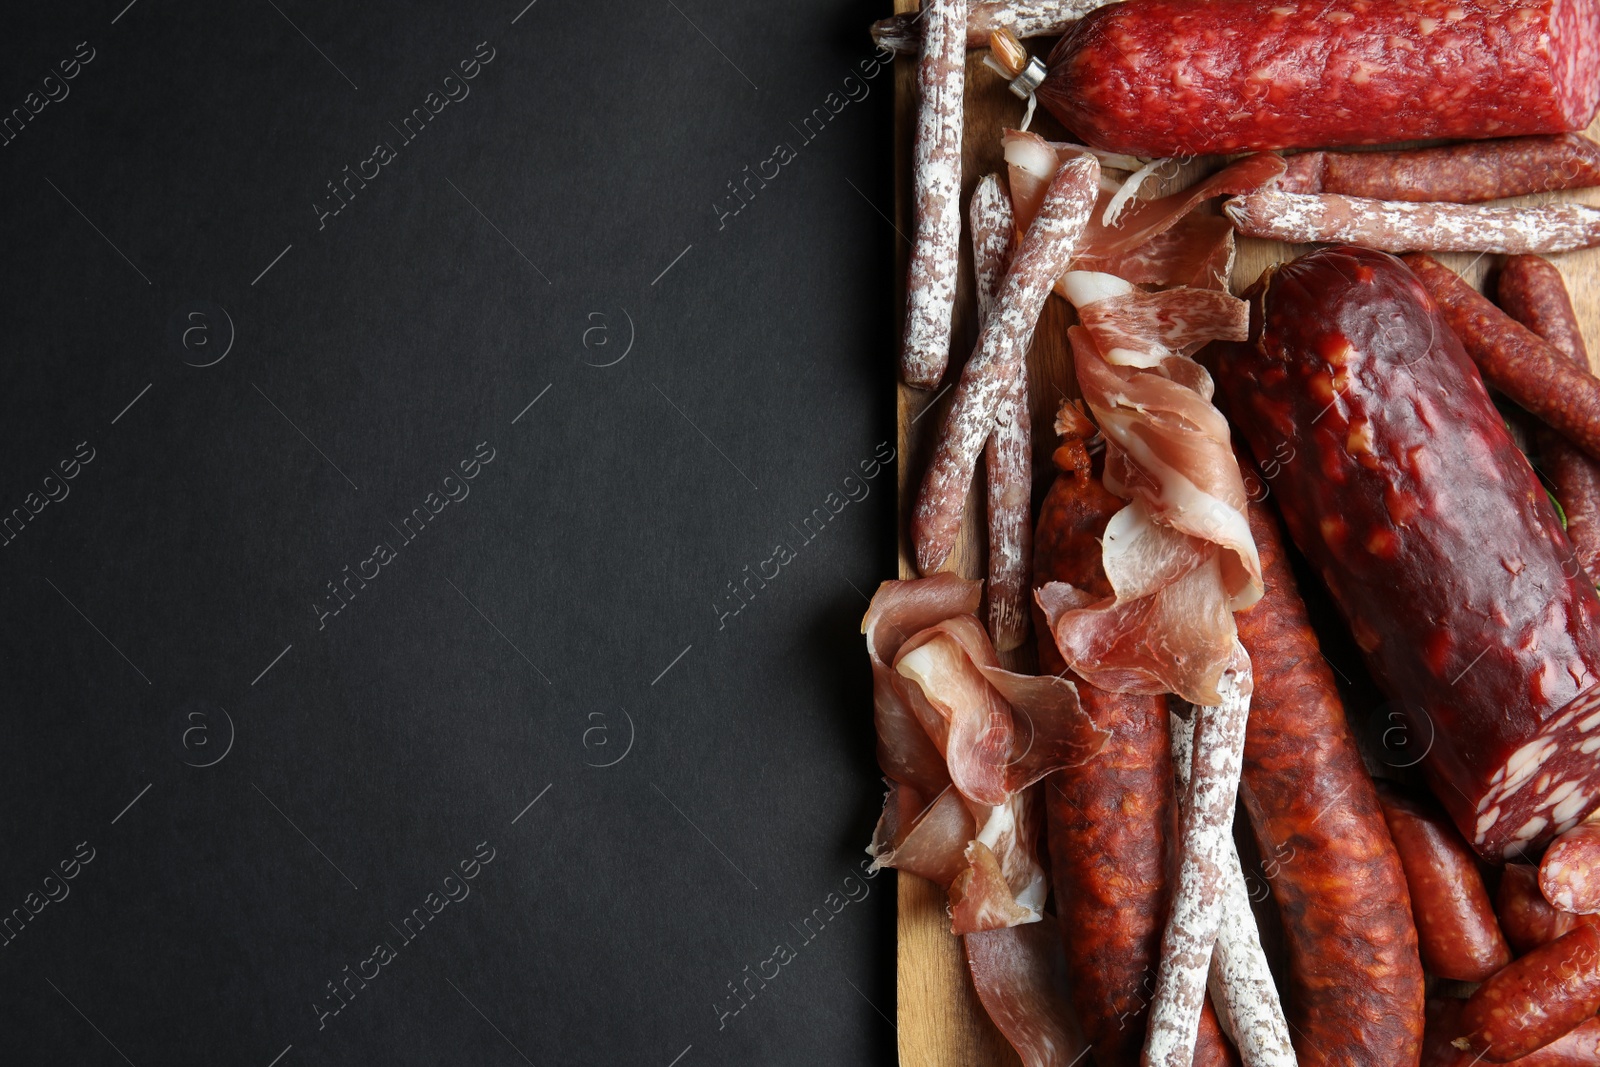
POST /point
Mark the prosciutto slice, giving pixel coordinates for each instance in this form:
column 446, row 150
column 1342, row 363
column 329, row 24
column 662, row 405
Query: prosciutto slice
column 959, row 809
column 1020, row 974
column 1180, row 557
column 1031, row 162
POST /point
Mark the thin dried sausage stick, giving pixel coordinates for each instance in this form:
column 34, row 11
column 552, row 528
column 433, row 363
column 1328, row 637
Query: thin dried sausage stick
column 1397, row 226
column 1355, row 985
column 1025, row 18
column 1113, row 820
column 1543, row 995
column 1514, row 359
column 1569, row 873
column 1526, row 918
column 1008, row 454
column 1531, row 291
column 1457, row 932
column 1241, row 981
column 1461, row 174
column 1002, row 346
column 936, row 193
column 1207, row 813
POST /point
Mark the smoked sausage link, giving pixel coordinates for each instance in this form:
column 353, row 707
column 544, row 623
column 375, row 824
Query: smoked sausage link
column 1172, row 77
column 1113, row 821
column 1398, row 480
column 1526, row 918
column 1457, row 932
column 1355, row 988
column 1536, row 1000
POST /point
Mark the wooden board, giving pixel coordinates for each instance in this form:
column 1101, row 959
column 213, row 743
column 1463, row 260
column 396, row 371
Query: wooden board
column 941, row 1023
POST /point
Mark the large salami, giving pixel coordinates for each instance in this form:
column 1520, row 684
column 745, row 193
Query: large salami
column 1435, row 537
column 1173, row 77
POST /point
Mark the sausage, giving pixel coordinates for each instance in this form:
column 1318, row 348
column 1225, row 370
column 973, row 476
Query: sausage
column 1526, row 918
column 1113, row 821
column 1398, row 226
column 1462, row 174
column 1170, row 77
column 1008, row 454
column 1039, row 260
column 1531, row 291
column 1514, row 359
column 1355, row 986
column 936, row 193
column 1406, row 493
column 1025, row 18
column 1457, row 933
column 1535, row 1000
column 1241, row 978
column 1569, row 873
column 1577, row 1048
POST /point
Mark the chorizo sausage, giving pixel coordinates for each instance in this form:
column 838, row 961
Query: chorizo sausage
column 1113, row 821
column 1171, row 77
column 1569, row 873
column 1355, row 987
column 1433, row 534
column 1577, row 1048
column 1530, row 290
column 1514, row 359
column 1457, row 933
column 1545, row 994
column 1526, row 918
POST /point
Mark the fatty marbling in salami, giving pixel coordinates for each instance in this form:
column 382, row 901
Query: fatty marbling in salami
column 1433, row 534
column 1173, row 77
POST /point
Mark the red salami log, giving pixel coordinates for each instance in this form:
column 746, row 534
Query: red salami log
column 1171, row 77
column 1527, row 919
column 1530, row 290
column 1433, row 534
column 1569, row 873
column 1355, row 990
column 1457, row 933
column 1545, row 994
column 1462, row 174
column 1112, row 824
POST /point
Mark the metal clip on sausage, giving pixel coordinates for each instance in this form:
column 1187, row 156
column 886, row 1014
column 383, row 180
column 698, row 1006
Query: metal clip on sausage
column 1023, row 72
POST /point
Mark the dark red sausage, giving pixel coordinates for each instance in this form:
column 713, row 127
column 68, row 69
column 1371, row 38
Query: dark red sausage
column 1577, row 1048
column 1463, row 173
column 1526, row 918
column 1531, row 290
column 1355, row 986
column 1172, row 77
column 1514, row 359
column 1439, row 545
column 1457, row 932
column 1569, row 872
column 1537, row 999
column 1112, row 821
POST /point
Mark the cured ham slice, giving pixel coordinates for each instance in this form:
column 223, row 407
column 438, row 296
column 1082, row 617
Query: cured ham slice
column 905, row 751
column 1158, row 241
column 959, row 810
column 1020, row 974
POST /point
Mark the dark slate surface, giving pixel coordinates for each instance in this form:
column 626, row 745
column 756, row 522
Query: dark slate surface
column 385, row 542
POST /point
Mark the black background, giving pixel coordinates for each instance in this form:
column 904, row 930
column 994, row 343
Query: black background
column 560, row 616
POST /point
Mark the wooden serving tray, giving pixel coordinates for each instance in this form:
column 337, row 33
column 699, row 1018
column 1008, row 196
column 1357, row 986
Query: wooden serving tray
column 941, row 1023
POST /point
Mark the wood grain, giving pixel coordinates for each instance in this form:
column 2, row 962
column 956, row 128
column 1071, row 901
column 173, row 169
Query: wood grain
column 941, row 1023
